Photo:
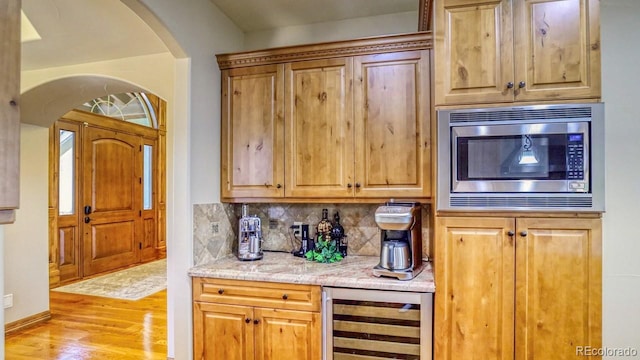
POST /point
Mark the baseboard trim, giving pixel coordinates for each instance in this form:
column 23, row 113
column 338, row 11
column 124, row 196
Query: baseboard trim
column 18, row 325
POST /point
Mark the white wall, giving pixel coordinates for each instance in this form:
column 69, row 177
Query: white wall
column 202, row 31
column 621, row 242
column 399, row 23
column 26, row 247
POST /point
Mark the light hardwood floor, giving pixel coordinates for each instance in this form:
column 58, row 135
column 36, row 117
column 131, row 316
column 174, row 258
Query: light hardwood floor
column 89, row 327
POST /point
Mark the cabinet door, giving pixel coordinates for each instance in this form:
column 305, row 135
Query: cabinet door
column 9, row 110
column 474, row 270
column 287, row 334
column 559, row 287
column 222, row 332
column 557, row 49
column 252, row 162
column 392, row 124
column 473, row 51
column 319, row 128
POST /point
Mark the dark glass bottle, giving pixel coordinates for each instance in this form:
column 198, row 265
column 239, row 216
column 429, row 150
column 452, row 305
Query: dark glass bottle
column 324, row 226
column 338, row 236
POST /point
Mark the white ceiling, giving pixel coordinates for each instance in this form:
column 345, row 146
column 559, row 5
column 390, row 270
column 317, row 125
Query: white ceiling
column 80, row 31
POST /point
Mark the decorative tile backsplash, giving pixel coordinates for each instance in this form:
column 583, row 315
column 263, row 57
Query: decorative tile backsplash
column 215, row 227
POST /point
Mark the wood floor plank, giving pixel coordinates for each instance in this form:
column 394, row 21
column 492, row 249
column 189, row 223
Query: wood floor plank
column 96, row 328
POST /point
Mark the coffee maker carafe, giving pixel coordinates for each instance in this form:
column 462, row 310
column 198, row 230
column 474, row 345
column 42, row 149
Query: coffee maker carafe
column 249, row 236
column 400, row 226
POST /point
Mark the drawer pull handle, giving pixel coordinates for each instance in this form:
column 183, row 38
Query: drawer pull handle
column 256, row 321
column 247, row 320
column 285, row 296
column 220, row 291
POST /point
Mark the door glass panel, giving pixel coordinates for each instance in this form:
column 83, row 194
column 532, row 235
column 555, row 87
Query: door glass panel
column 147, row 182
column 66, row 189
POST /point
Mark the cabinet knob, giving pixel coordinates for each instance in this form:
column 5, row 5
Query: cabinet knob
column 523, row 233
column 357, row 185
column 522, row 84
column 247, row 320
column 349, row 185
column 511, row 233
column 278, row 186
column 220, row 291
column 509, row 85
column 285, row 296
column 256, row 321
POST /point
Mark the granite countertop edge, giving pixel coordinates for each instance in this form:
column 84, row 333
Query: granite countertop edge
column 352, row 272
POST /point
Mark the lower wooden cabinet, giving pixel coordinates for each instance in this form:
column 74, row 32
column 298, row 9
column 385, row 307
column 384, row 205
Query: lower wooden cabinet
column 517, row 288
column 255, row 320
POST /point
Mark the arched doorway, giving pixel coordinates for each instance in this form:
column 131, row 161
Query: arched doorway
column 46, row 103
column 107, row 186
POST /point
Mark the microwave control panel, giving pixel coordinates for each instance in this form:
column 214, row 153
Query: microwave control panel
column 575, row 157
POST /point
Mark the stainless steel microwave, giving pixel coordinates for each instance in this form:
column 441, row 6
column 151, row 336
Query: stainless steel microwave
column 535, row 157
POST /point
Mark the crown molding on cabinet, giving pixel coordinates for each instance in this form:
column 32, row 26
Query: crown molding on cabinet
column 364, row 46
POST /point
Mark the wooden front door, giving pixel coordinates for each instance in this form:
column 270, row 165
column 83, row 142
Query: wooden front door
column 111, row 199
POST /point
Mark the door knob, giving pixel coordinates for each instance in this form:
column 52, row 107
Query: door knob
column 511, row 233
column 87, row 210
column 220, row 291
column 87, row 219
column 509, row 85
column 523, row 233
column 522, row 84
column 256, row 321
column 285, row 296
column 247, row 320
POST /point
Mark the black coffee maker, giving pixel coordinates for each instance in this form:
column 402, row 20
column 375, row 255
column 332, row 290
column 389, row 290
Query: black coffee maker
column 400, row 226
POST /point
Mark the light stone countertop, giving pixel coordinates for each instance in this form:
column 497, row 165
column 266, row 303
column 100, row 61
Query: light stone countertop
column 351, row 272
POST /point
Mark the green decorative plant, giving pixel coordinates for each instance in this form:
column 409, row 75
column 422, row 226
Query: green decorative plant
column 324, row 252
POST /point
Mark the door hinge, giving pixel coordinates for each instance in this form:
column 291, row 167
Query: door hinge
column 139, row 212
column 140, row 148
column 140, row 180
column 140, row 246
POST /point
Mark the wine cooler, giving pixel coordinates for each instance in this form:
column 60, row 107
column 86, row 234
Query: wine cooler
column 376, row 324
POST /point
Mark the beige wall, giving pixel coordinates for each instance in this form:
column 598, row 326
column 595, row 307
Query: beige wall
column 621, row 242
column 26, row 249
column 399, row 23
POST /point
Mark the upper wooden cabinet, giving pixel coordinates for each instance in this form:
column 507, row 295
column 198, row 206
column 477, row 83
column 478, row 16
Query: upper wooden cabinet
column 319, row 130
column 252, row 159
column 304, row 123
column 516, row 50
column 517, row 288
column 9, row 109
column 392, row 125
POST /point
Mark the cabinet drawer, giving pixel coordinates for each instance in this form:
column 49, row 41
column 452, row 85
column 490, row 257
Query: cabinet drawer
column 254, row 293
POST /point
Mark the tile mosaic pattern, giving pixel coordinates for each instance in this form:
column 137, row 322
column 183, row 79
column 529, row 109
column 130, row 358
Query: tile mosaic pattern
column 214, row 231
column 357, row 219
